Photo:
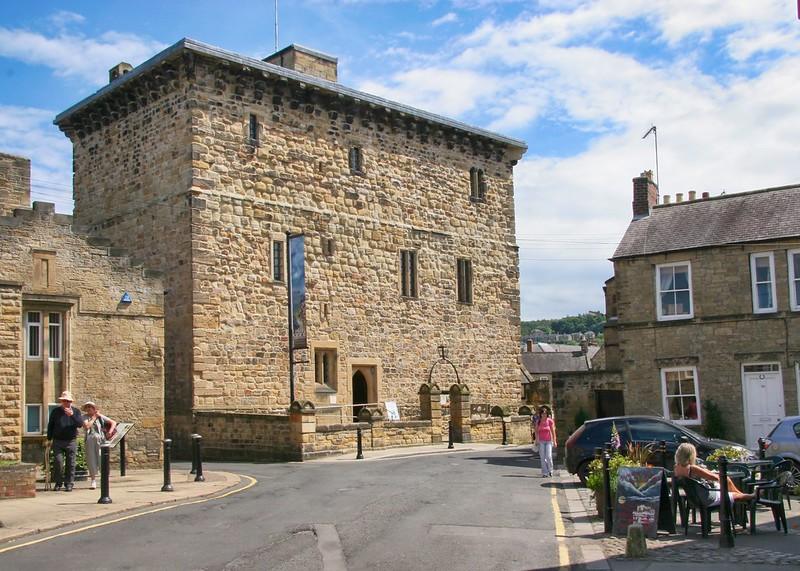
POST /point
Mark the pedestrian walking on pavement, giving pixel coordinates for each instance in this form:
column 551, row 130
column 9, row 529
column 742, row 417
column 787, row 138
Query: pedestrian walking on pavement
column 62, row 430
column 99, row 428
column 546, row 437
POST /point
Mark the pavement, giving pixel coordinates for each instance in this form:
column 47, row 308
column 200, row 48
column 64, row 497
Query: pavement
column 578, row 530
column 592, row 549
column 138, row 489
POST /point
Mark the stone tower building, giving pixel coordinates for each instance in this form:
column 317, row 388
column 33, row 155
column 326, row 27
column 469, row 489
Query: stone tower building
column 201, row 160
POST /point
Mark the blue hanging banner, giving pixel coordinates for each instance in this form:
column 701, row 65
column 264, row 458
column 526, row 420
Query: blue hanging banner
column 297, row 283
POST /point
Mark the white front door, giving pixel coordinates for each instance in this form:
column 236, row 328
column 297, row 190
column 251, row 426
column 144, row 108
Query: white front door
column 763, row 400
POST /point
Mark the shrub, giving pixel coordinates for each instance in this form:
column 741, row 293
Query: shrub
column 80, row 457
column 594, row 481
column 580, row 417
column 732, row 453
column 714, row 424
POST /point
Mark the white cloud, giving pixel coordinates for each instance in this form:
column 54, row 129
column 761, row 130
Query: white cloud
column 74, row 55
column 29, row 132
column 448, row 18
column 717, row 78
column 64, row 18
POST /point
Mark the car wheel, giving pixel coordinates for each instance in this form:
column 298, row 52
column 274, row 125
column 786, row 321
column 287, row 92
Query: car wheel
column 795, row 479
column 583, row 471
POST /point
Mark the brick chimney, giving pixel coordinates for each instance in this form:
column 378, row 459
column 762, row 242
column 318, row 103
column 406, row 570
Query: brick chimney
column 529, row 345
column 645, row 195
column 306, row 60
column 119, row 70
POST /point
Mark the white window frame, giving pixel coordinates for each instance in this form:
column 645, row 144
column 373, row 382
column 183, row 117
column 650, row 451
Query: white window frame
column 661, row 316
column 60, row 327
column 794, row 276
column 665, row 401
column 754, row 284
column 28, row 326
column 41, row 424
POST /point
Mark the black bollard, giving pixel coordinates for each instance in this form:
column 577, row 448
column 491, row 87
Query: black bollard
column 607, row 521
column 194, row 455
column 450, row 434
column 198, row 454
column 167, row 487
column 662, row 450
column 123, row 460
column 359, row 446
column 505, row 434
column 105, row 472
column 762, row 449
column 726, row 531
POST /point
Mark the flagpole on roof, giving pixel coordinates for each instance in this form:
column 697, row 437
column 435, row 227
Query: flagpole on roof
column 276, row 25
column 655, row 138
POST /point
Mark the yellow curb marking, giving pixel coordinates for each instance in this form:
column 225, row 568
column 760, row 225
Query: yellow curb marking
column 252, row 483
column 563, row 552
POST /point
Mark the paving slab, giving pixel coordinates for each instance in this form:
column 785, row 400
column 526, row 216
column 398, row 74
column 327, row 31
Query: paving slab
column 139, row 489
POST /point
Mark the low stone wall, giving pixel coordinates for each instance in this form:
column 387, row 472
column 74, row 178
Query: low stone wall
column 17, row 481
column 337, row 439
column 490, row 429
column 575, row 391
column 245, row 436
column 408, row 433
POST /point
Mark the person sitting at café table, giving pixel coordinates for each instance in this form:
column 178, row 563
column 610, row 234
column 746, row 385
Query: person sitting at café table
column 686, row 467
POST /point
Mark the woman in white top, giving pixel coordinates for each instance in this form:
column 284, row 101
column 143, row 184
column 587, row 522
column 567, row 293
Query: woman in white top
column 98, row 427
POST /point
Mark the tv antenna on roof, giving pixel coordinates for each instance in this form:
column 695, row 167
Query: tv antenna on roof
column 655, row 136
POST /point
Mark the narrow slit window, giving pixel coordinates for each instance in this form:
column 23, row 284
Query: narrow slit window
column 356, row 160
column 408, row 273
column 277, row 261
column 253, row 129
column 477, row 185
column 464, row 280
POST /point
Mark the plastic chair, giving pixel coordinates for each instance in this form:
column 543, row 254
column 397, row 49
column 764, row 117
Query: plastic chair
column 784, row 474
column 770, row 495
column 697, row 497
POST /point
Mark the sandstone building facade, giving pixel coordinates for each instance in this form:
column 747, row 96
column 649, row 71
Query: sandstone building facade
column 201, row 160
column 705, row 305
column 65, row 326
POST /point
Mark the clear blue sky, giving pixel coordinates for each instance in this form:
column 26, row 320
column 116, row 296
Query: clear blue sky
column 579, row 80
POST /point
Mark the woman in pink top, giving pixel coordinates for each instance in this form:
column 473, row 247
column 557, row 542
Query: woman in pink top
column 546, row 436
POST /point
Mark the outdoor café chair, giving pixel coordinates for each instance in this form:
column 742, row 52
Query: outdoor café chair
column 769, row 495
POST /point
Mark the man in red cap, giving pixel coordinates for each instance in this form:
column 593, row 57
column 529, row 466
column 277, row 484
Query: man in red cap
column 62, row 430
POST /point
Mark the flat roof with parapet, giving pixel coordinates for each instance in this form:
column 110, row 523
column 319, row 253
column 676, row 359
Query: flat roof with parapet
column 187, row 44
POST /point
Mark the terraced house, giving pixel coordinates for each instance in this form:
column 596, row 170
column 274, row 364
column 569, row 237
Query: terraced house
column 705, row 305
column 201, row 160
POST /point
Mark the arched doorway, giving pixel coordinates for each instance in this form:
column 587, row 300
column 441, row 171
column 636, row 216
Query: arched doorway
column 360, row 393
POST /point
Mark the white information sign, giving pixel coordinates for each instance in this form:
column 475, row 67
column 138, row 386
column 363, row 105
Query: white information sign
column 392, row 413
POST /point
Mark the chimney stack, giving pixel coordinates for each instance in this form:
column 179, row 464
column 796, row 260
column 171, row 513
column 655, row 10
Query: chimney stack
column 307, row 61
column 692, row 195
column 645, row 195
column 118, row 71
column 678, row 197
column 529, row 345
column 705, row 195
column 666, row 199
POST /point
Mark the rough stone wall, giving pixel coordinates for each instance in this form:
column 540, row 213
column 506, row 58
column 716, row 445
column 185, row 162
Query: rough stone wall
column 10, row 371
column 18, row 481
column 724, row 334
column 245, row 436
column 491, row 430
column 114, row 350
column 413, row 194
column 15, row 183
column 132, row 181
column 575, row 391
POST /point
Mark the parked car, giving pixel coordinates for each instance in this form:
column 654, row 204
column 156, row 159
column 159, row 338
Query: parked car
column 639, row 430
column 784, row 440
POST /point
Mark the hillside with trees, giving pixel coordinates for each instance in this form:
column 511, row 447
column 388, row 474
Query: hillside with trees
column 591, row 321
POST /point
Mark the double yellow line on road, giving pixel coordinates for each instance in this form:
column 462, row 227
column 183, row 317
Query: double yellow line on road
column 563, row 552
column 249, row 485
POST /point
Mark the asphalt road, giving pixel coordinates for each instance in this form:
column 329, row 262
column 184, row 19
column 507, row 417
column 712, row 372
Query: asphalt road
column 461, row 511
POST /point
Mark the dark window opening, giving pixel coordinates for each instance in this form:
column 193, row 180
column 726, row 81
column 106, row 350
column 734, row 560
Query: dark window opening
column 328, row 246
column 477, row 185
column 356, row 160
column 253, row 129
column 277, row 261
column 464, row 280
column 408, row 273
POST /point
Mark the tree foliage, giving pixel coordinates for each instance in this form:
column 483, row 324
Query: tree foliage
column 591, row 321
